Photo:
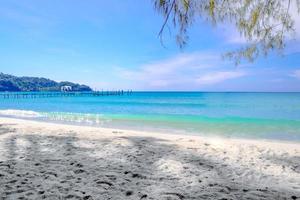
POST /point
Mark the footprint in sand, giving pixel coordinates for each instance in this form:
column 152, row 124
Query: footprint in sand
column 88, row 197
column 172, row 196
column 144, row 196
column 105, row 184
column 79, row 171
column 41, row 192
column 71, row 196
column 79, row 165
column 134, row 175
column 128, row 193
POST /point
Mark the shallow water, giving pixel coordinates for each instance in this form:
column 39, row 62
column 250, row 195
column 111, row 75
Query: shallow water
column 246, row 115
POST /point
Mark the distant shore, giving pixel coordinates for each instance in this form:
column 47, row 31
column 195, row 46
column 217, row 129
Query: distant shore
column 40, row 160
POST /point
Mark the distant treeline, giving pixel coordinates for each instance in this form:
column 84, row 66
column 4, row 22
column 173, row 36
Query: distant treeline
column 14, row 84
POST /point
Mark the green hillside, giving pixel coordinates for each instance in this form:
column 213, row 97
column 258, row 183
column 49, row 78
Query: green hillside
column 13, row 84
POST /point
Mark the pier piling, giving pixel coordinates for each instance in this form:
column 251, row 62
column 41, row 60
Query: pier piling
column 33, row 95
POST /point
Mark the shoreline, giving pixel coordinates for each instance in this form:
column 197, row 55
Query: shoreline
column 147, row 132
column 53, row 161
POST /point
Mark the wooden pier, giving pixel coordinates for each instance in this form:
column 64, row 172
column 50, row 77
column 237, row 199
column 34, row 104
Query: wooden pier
column 32, row 95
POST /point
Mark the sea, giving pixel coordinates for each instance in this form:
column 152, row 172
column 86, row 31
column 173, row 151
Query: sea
column 274, row 116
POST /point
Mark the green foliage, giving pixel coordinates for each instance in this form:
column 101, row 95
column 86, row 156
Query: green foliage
column 8, row 86
column 13, row 83
column 265, row 24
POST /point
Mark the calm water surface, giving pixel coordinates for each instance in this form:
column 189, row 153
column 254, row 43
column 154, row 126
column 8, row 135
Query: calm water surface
column 246, row 115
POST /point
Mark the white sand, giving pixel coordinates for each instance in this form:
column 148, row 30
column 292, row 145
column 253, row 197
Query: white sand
column 52, row 161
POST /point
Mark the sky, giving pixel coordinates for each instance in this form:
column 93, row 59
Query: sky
column 114, row 45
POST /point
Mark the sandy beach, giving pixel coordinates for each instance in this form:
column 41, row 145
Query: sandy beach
column 40, row 160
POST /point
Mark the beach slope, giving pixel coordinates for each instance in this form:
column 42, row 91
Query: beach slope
column 40, row 160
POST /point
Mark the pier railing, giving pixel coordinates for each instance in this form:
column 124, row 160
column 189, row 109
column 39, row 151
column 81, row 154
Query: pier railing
column 24, row 95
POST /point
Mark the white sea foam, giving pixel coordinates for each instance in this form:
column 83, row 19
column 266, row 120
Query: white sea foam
column 55, row 116
column 96, row 119
column 20, row 113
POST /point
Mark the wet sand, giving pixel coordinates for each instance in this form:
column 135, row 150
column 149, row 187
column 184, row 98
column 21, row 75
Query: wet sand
column 41, row 160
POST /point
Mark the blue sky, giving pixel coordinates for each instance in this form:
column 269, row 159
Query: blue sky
column 114, row 45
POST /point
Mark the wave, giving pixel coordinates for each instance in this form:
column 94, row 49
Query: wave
column 225, row 126
column 20, row 113
column 86, row 118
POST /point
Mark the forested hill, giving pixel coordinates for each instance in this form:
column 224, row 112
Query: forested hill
column 14, row 84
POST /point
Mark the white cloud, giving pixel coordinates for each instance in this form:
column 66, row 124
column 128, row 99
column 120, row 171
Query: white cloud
column 178, row 70
column 230, row 34
column 167, row 67
column 181, row 72
column 296, row 74
column 217, row 77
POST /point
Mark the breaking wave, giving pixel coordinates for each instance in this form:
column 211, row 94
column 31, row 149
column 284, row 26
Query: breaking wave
column 20, row 113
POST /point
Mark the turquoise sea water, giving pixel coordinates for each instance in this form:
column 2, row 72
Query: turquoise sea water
column 247, row 115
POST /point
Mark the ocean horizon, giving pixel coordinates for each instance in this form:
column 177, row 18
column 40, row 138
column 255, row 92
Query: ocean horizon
column 255, row 115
